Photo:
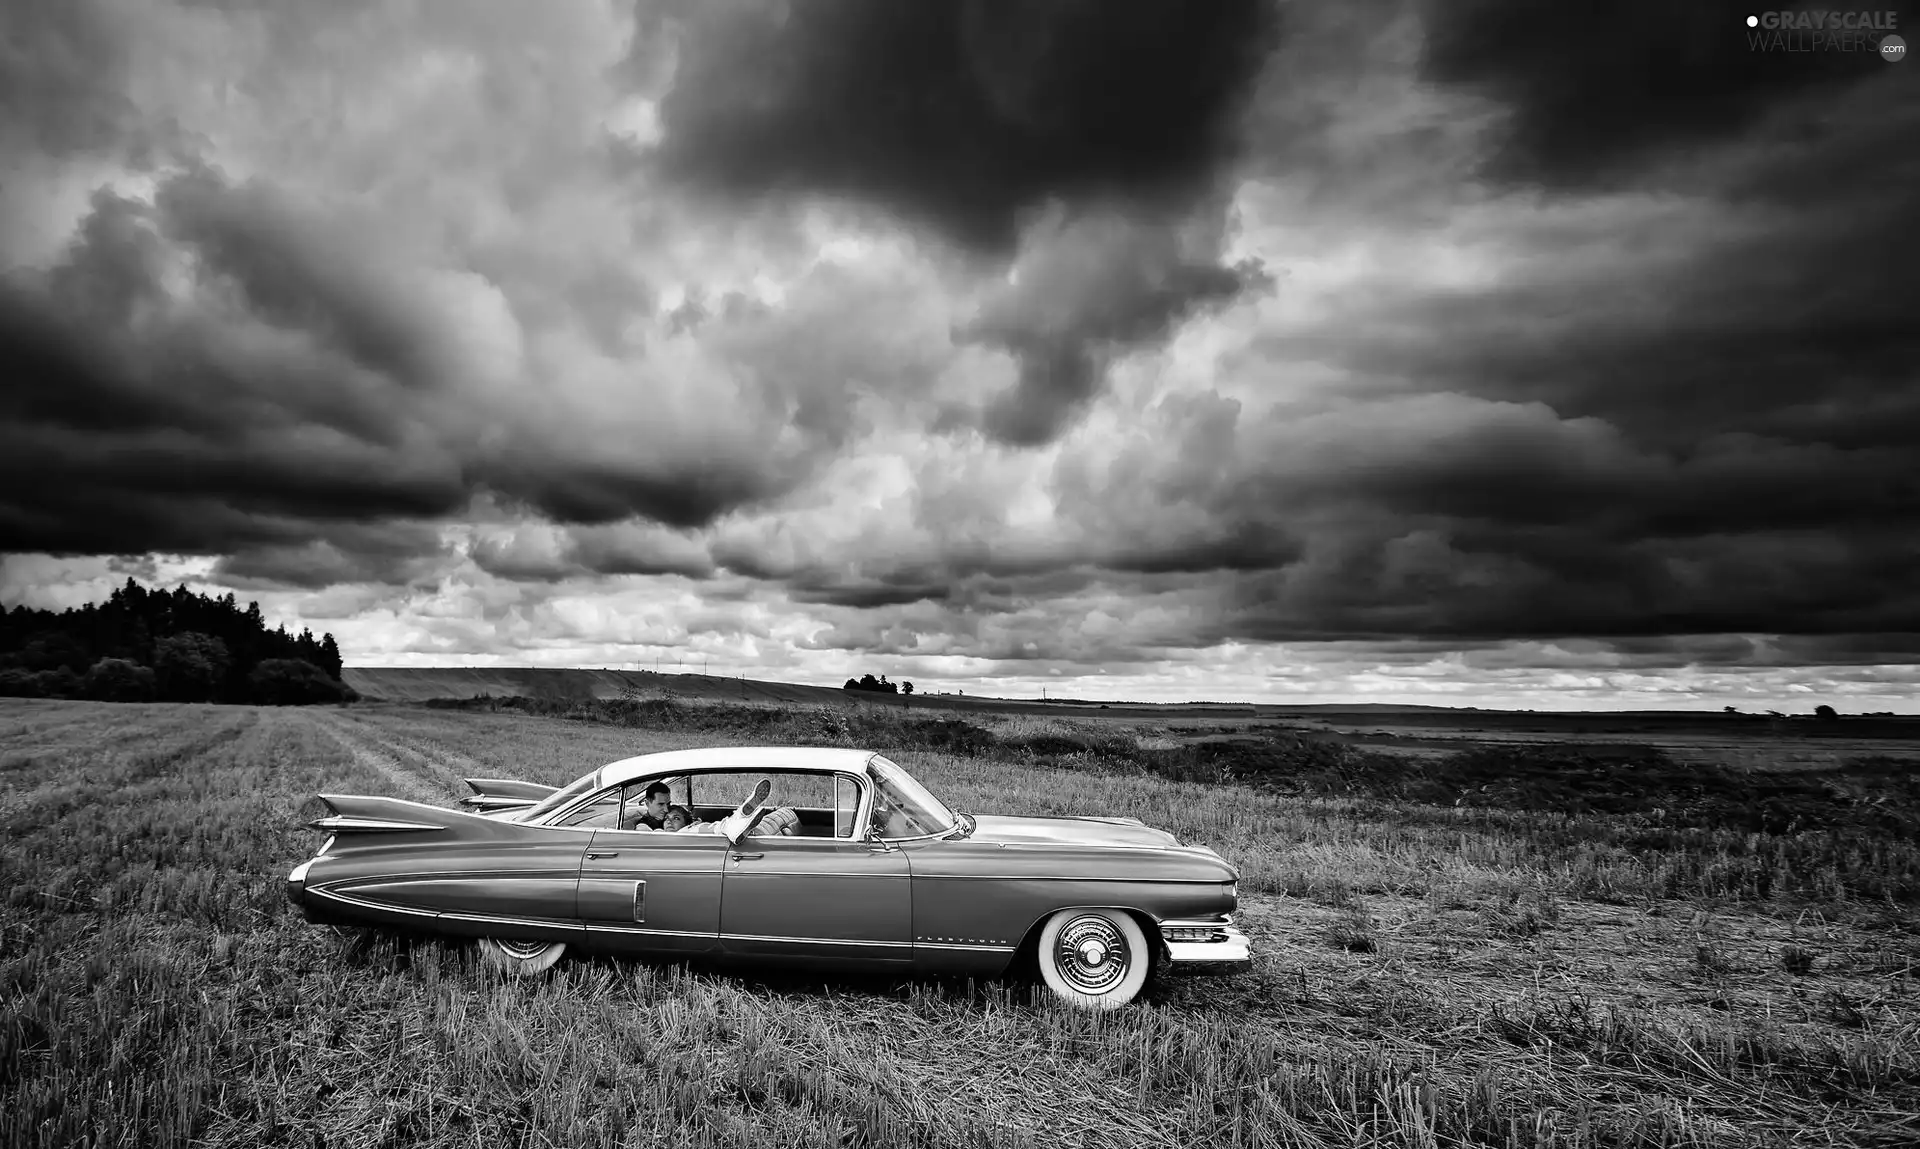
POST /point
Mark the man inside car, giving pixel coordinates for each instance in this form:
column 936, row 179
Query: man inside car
column 653, row 808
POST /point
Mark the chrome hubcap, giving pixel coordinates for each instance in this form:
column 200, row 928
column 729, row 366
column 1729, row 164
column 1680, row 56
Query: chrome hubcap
column 1091, row 955
column 522, row 950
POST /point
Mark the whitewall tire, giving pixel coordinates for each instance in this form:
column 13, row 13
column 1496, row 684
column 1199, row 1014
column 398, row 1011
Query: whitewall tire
column 1094, row 959
column 522, row 959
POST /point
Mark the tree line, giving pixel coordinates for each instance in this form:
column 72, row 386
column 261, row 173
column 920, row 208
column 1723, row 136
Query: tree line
column 165, row 646
column 878, row 685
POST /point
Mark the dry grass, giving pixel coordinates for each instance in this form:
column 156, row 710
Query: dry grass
column 1426, row 976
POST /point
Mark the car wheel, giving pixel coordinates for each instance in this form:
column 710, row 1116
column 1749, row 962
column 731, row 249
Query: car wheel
column 522, row 959
column 1094, row 959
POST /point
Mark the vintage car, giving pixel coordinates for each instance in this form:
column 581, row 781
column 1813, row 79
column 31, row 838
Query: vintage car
column 839, row 858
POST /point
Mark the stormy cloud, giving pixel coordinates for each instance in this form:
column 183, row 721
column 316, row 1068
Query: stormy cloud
column 1594, row 89
column 1084, row 142
column 1480, row 352
column 964, row 114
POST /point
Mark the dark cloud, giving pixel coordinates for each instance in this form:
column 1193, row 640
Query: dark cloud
column 126, row 428
column 225, row 370
column 676, row 491
column 289, row 270
column 1688, row 404
column 1543, row 584
column 1597, row 88
column 388, row 553
column 976, row 120
column 964, row 114
column 1873, row 648
column 1085, row 290
column 547, row 554
column 62, row 68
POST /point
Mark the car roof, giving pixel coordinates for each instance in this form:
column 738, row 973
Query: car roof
column 672, row 762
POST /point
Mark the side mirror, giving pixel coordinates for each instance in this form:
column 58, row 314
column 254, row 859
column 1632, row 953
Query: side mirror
column 876, row 842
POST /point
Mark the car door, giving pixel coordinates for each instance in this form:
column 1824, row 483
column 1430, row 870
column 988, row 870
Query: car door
column 828, row 897
column 648, row 891
column 818, row 900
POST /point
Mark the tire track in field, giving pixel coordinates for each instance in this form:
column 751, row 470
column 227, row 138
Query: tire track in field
column 450, row 764
column 125, row 762
column 368, row 751
column 445, row 770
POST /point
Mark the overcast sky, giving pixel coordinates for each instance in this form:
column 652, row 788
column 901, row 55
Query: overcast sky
column 1476, row 353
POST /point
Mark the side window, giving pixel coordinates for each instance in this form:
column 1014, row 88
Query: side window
column 824, row 803
column 603, row 812
column 846, row 804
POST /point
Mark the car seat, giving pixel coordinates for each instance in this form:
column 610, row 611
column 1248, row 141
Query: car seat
column 780, row 822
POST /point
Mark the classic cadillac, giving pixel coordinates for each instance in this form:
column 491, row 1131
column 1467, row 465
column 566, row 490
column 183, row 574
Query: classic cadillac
column 835, row 857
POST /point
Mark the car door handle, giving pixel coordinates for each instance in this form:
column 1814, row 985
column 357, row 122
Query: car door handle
column 595, row 854
column 745, row 857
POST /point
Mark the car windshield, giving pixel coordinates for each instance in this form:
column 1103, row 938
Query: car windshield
column 559, row 798
column 910, row 811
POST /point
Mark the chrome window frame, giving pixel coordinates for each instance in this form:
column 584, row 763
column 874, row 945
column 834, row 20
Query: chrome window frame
column 863, row 790
column 946, row 833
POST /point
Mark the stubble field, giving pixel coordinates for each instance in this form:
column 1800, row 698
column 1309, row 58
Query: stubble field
column 1425, row 975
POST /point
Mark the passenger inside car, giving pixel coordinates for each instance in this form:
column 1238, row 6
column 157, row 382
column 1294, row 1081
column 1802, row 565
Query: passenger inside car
column 780, row 822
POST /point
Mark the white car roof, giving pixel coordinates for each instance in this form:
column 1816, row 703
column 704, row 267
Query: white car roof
column 671, row 762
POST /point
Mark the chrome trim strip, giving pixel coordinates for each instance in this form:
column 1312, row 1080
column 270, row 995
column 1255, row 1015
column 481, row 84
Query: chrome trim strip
column 1218, row 922
column 600, row 871
column 362, row 903
column 505, row 920
column 952, row 946
column 1024, row 844
column 1062, row 879
column 817, row 941
column 418, row 877
column 335, row 823
column 756, row 871
column 622, row 928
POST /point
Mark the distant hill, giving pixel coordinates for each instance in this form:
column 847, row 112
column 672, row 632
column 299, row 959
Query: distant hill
column 407, row 684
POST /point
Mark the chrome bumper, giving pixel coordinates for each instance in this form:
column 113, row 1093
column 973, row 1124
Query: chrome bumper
column 1225, row 949
column 297, row 883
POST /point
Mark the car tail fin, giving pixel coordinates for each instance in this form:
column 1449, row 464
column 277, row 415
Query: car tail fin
column 492, row 795
column 355, row 814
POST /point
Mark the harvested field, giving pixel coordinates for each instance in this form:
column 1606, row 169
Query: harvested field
column 1427, row 974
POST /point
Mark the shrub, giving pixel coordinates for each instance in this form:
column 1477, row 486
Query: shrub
column 294, row 682
column 189, row 667
column 118, row 680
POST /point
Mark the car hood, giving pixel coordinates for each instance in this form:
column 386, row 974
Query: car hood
column 1071, row 831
